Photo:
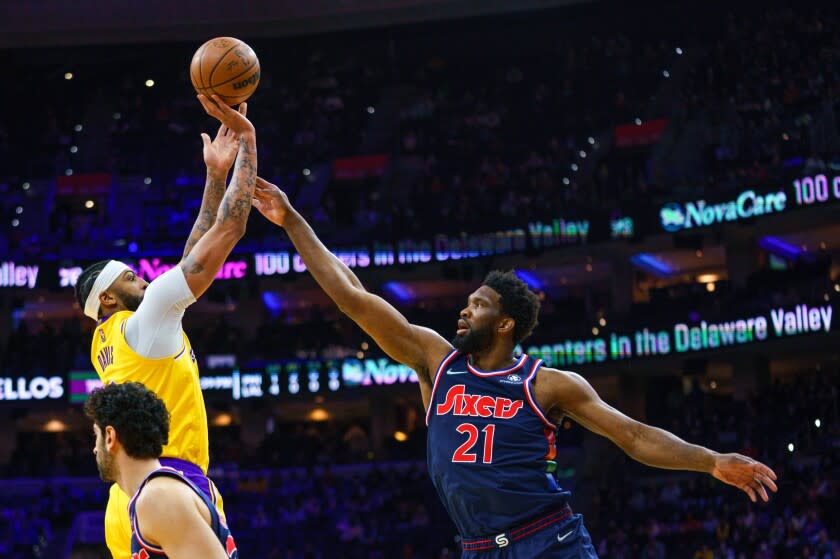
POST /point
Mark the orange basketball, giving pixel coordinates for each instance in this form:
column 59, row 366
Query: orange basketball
column 226, row 67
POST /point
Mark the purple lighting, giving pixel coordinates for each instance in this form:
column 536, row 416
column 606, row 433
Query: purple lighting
column 399, row 290
column 533, row 281
column 780, row 247
column 652, row 264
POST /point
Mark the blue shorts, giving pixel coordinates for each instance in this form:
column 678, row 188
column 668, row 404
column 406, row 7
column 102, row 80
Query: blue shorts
column 557, row 536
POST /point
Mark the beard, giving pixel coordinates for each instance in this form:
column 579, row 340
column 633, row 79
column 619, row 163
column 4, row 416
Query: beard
column 129, row 301
column 105, row 465
column 474, row 340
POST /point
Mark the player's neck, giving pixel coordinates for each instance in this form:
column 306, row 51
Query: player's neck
column 494, row 358
column 133, row 472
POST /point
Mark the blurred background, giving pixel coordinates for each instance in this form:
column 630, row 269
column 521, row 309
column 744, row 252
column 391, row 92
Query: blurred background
column 666, row 175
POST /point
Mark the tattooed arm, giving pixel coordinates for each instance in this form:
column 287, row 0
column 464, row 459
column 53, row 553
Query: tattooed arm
column 203, row 260
column 218, row 156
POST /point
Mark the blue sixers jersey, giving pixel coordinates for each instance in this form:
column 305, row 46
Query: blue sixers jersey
column 490, row 446
column 141, row 549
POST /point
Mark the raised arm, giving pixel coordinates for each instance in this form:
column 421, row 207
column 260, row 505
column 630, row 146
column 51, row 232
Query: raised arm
column 419, row 348
column 169, row 515
column 203, row 261
column 219, row 155
column 573, row 396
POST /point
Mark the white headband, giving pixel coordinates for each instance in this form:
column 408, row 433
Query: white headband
column 106, row 277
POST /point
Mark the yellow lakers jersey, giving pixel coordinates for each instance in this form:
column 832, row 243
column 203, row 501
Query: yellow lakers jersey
column 174, row 379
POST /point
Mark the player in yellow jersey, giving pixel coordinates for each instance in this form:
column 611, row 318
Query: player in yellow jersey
column 139, row 337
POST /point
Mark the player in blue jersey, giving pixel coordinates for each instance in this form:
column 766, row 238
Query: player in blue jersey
column 178, row 520
column 493, row 417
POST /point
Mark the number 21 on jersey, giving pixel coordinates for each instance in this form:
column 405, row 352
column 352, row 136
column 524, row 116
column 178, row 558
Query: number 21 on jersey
column 463, row 453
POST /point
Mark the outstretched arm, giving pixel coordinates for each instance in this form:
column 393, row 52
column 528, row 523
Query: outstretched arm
column 575, row 397
column 219, row 156
column 203, row 261
column 415, row 346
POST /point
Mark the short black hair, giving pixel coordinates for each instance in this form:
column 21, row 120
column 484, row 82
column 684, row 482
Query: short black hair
column 86, row 279
column 517, row 301
column 136, row 413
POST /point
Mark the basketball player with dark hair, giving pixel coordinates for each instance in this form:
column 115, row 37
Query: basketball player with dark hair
column 139, row 337
column 178, row 520
column 493, row 417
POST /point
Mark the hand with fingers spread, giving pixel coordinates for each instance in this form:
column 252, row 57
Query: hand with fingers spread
column 235, row 120
column 746, row 474
column 220, row 153
column 271, row 202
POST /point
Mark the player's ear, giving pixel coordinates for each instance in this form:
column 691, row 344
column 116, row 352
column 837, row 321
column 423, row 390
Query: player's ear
column 506, row 324
column 107, row 299
column 109, row 436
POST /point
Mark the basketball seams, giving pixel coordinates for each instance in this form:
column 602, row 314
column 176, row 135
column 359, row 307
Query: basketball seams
column 237, row 76
column 219, row 61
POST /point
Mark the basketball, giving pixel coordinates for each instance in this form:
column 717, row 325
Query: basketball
column 226, row 67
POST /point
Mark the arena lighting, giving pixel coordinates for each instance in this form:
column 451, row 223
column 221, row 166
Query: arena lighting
column 533, row 281
column 710, row 287
column 15, row 222
column 55, row 426
column 399, row 290
column 319, row 414
column 222, row 420
column 790, row 447
column 74, row 149
column 837, row 287
column 574, row 166
column 582, row 154
column 371, row 110
column 19, row 210
column 147, row 180
column 595, row 331
column 365, row 346
column 817, row 423
column 68, row 75
column 78, row 128
column 566, row 180
column 306, row 172
column 638, row 122
column 679, row 50
column 602, row 322
column 150, row 83
column 666, row 73
column 713, row 385
column 780, row 247
column 89, row 204
column 591, row 141
column 399, row 436
column 707, row 278
column 26, row 186
column 117, row 116
column 273, row 301
column 652, row 264
column 68, row 172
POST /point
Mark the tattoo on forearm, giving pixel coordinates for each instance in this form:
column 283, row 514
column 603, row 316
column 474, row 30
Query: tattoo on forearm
column 236, row 204
column 214, row 190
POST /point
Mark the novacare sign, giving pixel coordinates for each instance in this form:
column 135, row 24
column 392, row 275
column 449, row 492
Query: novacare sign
column 688, row 215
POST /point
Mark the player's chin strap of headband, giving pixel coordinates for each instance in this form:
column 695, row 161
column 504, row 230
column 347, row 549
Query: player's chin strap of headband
column 106, row 277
